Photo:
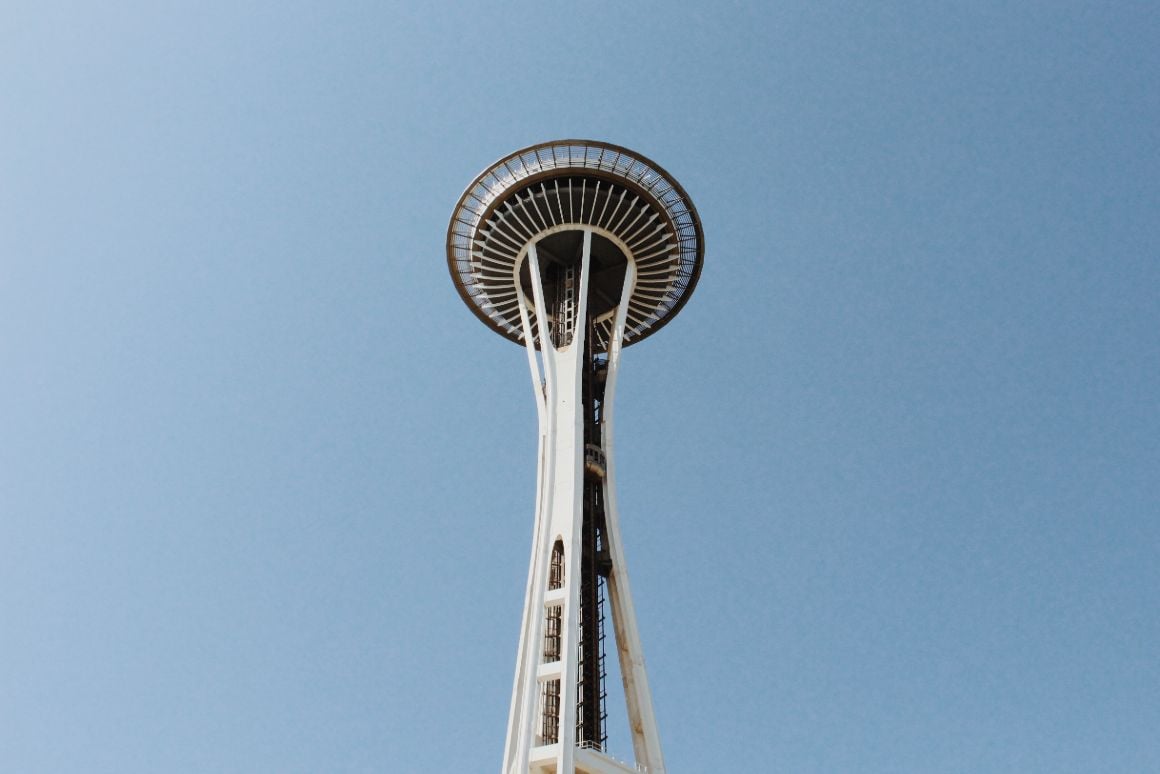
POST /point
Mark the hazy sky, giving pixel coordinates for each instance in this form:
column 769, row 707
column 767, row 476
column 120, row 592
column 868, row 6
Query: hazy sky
column 888, row 485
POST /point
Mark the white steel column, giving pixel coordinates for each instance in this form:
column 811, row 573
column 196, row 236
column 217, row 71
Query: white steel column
column 559, row 517
column 642, row 723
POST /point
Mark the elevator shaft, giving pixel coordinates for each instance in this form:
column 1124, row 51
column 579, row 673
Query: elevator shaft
column 595, row 563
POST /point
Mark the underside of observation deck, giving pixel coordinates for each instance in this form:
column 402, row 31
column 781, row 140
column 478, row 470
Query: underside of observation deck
column 636, row 209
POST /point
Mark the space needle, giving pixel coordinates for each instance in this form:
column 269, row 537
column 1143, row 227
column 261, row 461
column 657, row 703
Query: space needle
column 575, row 249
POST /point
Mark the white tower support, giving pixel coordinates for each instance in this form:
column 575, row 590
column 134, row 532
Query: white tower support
column 542, row 725
column 575, row 250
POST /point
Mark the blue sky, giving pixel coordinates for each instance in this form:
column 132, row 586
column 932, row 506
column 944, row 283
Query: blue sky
column 888, row 485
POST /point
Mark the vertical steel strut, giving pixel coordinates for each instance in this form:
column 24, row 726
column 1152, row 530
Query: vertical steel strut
column 558, row 719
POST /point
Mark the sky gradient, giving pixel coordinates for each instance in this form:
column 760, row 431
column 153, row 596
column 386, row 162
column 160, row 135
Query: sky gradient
column 888, row 485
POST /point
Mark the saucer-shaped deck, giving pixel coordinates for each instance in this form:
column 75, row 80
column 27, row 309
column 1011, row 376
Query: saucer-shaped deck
column 547, row 194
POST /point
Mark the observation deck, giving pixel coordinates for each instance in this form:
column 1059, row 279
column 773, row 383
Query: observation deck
column 547, row 195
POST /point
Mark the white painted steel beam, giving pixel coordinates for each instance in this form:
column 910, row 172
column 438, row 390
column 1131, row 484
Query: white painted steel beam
column 559, row 516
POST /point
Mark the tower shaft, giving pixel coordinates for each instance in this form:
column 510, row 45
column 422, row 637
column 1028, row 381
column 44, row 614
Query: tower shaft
column 557, row 717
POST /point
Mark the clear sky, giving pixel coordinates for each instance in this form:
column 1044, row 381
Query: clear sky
column 888, row 485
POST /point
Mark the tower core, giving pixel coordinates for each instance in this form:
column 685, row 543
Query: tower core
column 575, row 249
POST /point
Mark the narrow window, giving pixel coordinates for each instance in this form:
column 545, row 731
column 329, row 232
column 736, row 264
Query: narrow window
column 550, row 728
column 552, row 633
column 556, row 572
